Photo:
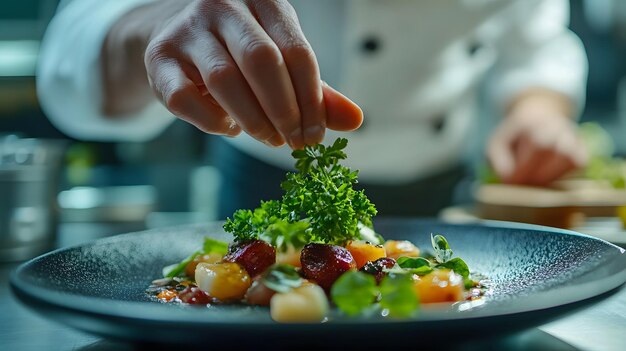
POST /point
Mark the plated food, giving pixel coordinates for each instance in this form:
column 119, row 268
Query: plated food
column 315, row 249
column 536, row 274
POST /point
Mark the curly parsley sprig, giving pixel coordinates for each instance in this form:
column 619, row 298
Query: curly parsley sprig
column 320, row 197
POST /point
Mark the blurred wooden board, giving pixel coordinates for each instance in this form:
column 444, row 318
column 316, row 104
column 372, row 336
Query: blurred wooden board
column 610, row 229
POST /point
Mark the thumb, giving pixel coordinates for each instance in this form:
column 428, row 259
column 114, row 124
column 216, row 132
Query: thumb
column 342, row 114
column 501, row 157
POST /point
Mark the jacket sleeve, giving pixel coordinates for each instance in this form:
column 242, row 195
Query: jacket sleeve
column 69, row 82
column 540, row 51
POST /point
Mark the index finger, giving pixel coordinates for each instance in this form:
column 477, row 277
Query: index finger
column 264, row 68
column 280, row 21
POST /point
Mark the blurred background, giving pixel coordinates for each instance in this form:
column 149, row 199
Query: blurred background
column 132, row 186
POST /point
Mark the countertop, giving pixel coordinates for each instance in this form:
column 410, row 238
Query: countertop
column 599, row 327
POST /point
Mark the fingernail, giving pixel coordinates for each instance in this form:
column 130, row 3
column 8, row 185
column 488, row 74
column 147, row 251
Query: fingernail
column 313, row 134
column 275, row 141
column 233, row 128
column 295, row 138
column 233, row 132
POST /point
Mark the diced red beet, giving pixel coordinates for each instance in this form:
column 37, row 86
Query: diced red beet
column 254, row 256
column 195, row 296
column 376, row 268
column 324, row 263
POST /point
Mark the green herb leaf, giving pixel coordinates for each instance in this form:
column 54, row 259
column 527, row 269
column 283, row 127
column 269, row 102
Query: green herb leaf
column 168, row 269
column 281, row 278
column 412, row 262
column 209, row 246
column 353, row 292
column 248, row 225
column 486, row 174
column 397, row 295
column 469, row 283
column 175, row 270
column 442, row 250
column 214, row 246
column 368, row 234
column 457, row 265
column 321, row 194
column 396, row 269
column 415, row 265
column 282, row 234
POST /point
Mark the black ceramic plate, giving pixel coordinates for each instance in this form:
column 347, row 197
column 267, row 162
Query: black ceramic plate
column 538, row 274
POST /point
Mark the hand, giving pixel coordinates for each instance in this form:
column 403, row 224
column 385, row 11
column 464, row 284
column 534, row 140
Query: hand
column 537, row 142
column 227, row 66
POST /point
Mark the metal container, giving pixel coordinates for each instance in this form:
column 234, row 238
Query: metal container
column 29, row 184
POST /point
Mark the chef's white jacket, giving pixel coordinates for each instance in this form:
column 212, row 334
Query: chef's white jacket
column 414, row 67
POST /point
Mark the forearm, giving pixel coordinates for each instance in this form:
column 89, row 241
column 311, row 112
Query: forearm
column 125, row 84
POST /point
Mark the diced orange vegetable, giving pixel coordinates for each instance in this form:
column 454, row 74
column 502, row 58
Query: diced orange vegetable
column 167, row 295
column 226, row 281
column 399, row 248
column 364, row 252
column 442, row 285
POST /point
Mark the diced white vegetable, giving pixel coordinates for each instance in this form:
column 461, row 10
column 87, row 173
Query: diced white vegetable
column 307, row 303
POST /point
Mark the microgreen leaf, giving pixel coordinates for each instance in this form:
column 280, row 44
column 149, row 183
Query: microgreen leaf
column 368, row 234
column 415, row 265
column 214, row 246
column 281, row 278
column 457, row 265
column 175, row 270
column 442, row 250
column 397, row 295
column 469, row 283
column 353, row 292
column 412, row 262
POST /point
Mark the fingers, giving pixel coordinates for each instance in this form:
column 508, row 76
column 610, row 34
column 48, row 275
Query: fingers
column 543, row 167
column 553, row 166
column 281, row 23
column 225, row 66
column 567, row 154
column 538, row 163
column 262, row 64
column 500, row 153
column 528, row 159
column 181, row 97
column 227, row 85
